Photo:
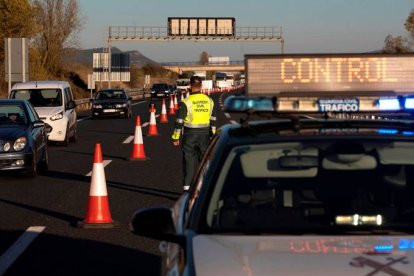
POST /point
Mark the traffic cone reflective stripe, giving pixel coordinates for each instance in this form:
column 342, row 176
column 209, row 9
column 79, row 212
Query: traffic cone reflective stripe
column 163, row 116
column 138, row 152
column 98, row 214
column 172, row 110
column 152, row 128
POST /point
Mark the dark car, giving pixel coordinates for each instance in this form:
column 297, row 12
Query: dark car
column 161, row 90
column 290, row 194
column 23, row 138
column 112, row 102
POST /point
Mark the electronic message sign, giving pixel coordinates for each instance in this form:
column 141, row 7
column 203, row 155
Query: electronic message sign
column 271, row 74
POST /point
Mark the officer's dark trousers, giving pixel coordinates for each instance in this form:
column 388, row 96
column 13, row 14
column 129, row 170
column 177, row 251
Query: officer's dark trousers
column 195, row 143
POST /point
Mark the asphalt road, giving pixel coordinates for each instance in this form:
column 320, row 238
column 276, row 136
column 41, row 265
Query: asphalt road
column 56, row 201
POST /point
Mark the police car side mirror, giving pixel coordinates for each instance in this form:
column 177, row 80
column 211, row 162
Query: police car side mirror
column 156, row 223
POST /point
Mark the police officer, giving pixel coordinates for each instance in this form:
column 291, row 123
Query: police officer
column 196, row 123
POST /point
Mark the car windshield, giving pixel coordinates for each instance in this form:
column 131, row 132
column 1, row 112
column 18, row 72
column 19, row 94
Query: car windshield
column 160, row 86
column 183, row 82
column 39, row 97
column 317, row 186
column 12, row 115
column 111, row 95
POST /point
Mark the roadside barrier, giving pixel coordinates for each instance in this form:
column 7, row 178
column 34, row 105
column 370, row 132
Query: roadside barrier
column 152, row 128
column 163, row 116
column 138, row 152
column 98, row 214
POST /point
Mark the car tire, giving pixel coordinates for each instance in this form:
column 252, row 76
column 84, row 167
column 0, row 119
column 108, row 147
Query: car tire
column 65, row 142
column 43, row 165
column 74, row 137
column 32, row 172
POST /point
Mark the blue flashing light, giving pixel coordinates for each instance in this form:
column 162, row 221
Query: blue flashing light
column 408, row 133
column 389, row 104
column 409, row 103
column 406, row 244
column 384, row 247
column 387, row 131
column 242, row 104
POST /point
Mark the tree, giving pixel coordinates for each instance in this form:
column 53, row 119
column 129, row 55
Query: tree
column 17, row 19
column 60, row 23
column 395, row 45
column 204, row 58
column 400, row 44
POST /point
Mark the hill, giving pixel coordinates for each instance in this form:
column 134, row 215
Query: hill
column 85, row 56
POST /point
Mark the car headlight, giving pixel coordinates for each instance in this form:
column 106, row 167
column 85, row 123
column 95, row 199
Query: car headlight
column 167, row 91
column 152, row 92
column 6, row 146
column 97, row 106
column 120, row 105
column 20, row 143
column 57, row 116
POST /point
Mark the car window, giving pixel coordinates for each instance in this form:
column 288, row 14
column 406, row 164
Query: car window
column 160, row 86
column 12, row 115
column 39, row 97
column 317, row 186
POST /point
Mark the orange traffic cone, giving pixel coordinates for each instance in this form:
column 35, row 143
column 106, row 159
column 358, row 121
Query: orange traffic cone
column 98, row 214
column 163, row 116
column 152, row 128
column 138, row 152
column 172, row 110
column 175, row 102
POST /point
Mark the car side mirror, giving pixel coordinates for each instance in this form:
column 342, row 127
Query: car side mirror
column 71, row 105
column 156, row 223
column 37, row 124
column 129, row 98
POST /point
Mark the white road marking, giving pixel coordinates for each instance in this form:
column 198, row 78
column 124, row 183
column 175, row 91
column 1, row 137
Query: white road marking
column 139, row 103
column 233, row 122
column 128, row 140
column 227, row 115
column 83, row 119
column 105, row 163
column 158, row 115
column 145, row 124
column 8, row 258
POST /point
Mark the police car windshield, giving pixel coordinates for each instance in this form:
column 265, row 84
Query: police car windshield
column 318, row 185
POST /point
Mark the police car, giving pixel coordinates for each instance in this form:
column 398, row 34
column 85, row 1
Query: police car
column 318, row 184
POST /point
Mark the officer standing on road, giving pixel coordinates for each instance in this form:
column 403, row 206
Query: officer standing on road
column 197, row 114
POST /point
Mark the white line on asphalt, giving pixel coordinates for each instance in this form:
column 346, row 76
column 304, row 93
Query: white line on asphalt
column 128, row 140
column 145, row 124
column 8, row 258
column 105, row 163
column 139, row 103
column 233, row 122
column 158, row 115
column 227, row 115
column 83, row 119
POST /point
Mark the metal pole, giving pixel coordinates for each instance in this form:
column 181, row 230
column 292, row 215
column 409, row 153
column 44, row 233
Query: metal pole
column 9, row 63
column 24, row 59
column 109, row 58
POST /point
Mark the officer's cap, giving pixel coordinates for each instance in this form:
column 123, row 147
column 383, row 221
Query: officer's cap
column 196, row 80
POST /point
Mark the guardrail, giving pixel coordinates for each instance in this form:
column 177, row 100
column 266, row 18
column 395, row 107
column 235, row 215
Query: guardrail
column 135, row 94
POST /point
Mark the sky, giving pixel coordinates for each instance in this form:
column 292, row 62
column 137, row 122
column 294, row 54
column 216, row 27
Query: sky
column 309, row 26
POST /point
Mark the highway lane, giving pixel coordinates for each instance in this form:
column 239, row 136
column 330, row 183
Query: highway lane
column 59, row 199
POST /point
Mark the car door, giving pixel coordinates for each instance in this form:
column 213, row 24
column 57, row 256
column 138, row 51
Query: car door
column 39, row 137
column 70, row 112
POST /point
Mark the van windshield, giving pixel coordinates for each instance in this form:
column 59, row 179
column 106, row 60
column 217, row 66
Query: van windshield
column 39, row 97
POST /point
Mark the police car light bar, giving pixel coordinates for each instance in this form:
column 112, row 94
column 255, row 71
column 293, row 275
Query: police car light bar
column 286, row 104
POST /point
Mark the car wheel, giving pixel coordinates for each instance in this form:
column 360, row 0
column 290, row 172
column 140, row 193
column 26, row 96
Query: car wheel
column 74, row 137
column 66, row 141
column 43, row 165
column 32, row 172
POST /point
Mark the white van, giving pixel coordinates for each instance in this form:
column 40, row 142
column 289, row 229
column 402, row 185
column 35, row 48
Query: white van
column 53, row 101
